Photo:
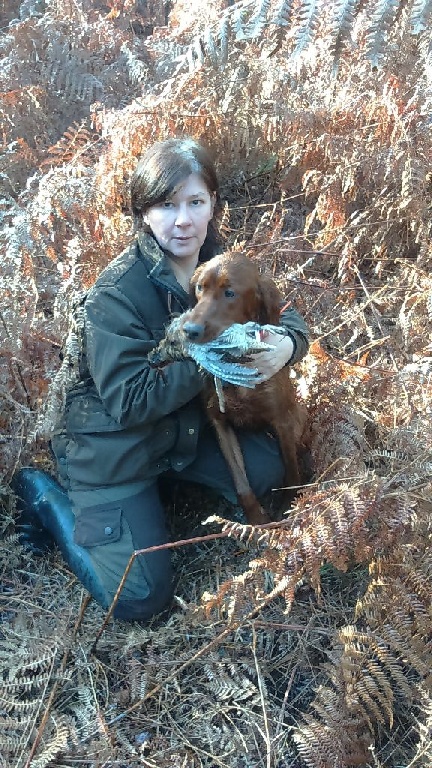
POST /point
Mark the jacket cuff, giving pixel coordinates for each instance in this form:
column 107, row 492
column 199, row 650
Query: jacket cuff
column 294, row 341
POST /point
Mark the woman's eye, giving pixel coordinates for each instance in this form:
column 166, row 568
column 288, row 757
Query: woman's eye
column 198, row 288
column 229, row 293
column 167, row 204
column 196, row 202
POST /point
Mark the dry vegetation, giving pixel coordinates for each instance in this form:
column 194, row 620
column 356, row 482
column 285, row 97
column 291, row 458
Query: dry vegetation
column 310, row 644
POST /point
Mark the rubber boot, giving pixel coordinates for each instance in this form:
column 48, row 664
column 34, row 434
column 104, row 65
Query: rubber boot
column 45, row 506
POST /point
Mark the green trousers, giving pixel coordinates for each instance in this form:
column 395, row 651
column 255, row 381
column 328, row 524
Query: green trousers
column 111, row 523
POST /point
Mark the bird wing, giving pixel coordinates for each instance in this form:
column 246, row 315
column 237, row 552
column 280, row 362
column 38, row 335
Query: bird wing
column 224, row 357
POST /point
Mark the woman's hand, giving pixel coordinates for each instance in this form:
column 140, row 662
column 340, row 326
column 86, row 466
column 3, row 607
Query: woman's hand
column 270, row 362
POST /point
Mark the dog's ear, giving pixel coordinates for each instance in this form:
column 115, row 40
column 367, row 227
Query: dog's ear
column 270, row 300
column 192, row 285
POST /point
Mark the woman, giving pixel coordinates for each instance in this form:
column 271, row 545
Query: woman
column 125, row 425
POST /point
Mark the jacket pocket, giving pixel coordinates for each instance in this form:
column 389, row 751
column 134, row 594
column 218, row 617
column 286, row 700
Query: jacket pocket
column 85, row 413
column 98, row 525
column 103, row 459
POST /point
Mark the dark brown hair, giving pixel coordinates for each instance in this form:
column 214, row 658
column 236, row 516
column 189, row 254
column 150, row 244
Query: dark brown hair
column 161, row 169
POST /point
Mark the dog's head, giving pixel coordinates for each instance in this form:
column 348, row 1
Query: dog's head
column 229, row 289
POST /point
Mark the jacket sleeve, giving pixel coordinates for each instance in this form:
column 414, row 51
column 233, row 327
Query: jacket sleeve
column 297, row 329
column 117, row 345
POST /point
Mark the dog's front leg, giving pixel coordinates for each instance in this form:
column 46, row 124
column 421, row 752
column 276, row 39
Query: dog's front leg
column 229, row 445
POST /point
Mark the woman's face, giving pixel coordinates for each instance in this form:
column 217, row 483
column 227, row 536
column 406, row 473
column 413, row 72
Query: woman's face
column 180, row 222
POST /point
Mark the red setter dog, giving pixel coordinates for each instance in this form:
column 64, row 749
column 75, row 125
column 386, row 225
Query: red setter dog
column 229, row 289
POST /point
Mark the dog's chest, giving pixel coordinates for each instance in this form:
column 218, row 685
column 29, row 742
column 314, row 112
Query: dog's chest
column 243, row 407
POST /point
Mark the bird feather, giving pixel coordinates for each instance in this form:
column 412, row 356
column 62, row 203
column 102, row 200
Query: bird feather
column 226, row 355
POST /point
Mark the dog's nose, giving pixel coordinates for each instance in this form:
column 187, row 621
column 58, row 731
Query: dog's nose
column 194, row 331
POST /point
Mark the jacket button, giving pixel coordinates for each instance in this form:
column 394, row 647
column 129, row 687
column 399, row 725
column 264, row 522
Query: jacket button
column 108, row 530
column 191, row 431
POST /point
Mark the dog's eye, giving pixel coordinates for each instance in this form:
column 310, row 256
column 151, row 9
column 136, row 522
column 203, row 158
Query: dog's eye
column 229, row 293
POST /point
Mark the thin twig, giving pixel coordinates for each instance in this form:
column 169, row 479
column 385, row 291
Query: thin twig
column 357, row 314
column 263, row 701
column 157, row 548
column 291, row 627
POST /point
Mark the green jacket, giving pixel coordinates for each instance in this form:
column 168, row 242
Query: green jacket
column 125, row 421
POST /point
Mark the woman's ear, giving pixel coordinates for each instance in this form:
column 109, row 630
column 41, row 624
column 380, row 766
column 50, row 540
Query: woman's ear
column 270, row 300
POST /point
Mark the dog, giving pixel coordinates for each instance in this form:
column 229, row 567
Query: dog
column 230, row 289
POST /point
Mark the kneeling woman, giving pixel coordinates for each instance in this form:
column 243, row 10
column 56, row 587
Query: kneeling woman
column 125, row 425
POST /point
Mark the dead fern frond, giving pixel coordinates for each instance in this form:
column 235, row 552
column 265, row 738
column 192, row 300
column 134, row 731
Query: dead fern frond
column 359, row 697
column 260, row 621
column 73, row 145
column 425, row 52
column 68, row 371
column 423, row 750
column 224, row 31
column 397, row 606
column 229, row 687
column 24, row 689
column 57, row 738
column 299, row 24
column 316, row 741
column 377, row 667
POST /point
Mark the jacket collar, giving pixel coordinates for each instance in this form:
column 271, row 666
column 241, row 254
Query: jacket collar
column 159, row 265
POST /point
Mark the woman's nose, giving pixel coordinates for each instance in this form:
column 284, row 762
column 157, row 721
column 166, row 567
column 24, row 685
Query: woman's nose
column 183, row 216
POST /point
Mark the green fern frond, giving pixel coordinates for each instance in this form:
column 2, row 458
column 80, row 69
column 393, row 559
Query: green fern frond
column 341, row 26
column 282, row 16
column 259, row 20
column 377, row 36
column 421, row 16
column 425, row 50
column 68, row 76
column 224, row 31
column 210, row 47
column 281, row 19
column 137, row 69
column 308, row 16
column 239, row 14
